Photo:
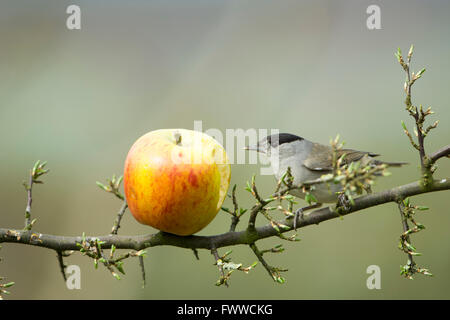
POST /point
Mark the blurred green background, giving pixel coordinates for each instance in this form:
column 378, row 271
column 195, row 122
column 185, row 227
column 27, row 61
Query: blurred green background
column 79, row 99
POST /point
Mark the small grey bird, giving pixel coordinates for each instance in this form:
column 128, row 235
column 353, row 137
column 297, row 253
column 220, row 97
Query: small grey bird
column 308, row 161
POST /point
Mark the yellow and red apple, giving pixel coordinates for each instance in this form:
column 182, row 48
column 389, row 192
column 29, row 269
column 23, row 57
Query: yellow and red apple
column 176, row 180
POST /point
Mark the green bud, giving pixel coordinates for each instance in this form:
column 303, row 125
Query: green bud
column 280, row 279
column 410, row 247
column 420, row 226
column 406, row 201
column 226, row 209
column 419, row 74
column 410, row 52
column 115, row 275
column 119, row 266
column 275, row 226
column 102, row 186
column 404, row 125
column 228, row 253
column 141, row 253
column 7, row 285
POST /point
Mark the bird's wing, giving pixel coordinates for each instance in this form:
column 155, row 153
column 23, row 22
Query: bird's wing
column 325, row 161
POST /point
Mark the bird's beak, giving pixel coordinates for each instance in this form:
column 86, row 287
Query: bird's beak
column 251, row 148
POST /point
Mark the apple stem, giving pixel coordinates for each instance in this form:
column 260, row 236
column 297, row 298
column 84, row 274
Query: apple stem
column 177, row 137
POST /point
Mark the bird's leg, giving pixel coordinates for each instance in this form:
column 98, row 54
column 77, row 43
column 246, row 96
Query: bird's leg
column 302, row 210
column 344, row 202
column 367, row 188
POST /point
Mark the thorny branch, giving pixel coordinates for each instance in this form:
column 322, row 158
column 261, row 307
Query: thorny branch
column 93, row 248
column 223, row 279
column 427, row 163
column 443, row 152
column 140, row 242
column 37, row 171
column 114, row 188
column 274, row 272
column 225, row 264
column 237, row 212
column 407, row 212
column 4, row 286
column 116, row 225
column 62, row 266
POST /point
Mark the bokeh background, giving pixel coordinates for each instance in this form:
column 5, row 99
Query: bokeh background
column 80, row 98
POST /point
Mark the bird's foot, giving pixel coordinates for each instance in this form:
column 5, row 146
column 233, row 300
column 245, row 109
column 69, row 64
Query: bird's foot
column 344, row 202
column 299, row 213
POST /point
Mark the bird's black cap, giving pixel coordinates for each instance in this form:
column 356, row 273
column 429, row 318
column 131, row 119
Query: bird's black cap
column 278, row 139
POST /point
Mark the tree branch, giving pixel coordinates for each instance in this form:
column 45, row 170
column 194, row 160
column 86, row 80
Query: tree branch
column 443, row 152
column 272, row 271
column 405, row 230
column 29, row 189
column 62, row 266
column 246, row 237
column 122, row 210
column 37, row 171
column 141, row 264
column 223, row 278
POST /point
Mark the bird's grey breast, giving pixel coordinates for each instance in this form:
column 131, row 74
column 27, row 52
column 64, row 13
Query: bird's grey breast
column 293, row 155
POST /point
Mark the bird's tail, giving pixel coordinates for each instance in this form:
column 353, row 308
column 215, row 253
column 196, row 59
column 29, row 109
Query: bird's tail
column 389, row 164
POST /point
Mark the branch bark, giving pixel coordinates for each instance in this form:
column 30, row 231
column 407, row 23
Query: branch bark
column 246, row 237
column 443, row 152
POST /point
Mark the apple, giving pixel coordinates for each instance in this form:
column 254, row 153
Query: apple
column 176, row 180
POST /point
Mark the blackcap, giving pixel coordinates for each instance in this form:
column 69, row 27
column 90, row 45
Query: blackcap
column 308, row 161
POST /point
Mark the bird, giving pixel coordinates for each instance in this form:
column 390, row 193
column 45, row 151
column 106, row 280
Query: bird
column 309, row 161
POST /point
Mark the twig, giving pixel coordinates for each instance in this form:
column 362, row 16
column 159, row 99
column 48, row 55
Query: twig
column 255, row 210
column 37, row 171
column 401, row 206
column 409, row 106
column 29, row 189
column 443, row 152
column 113, row 186
column 419, row 116
column 122, row 210
column 426, row 162
column 235, row 216
column 141, row 263
column 236, row 213
column 272, row 271
column 195, row 251
column 411, row 140
column 261, row 259
column 223, row 279
column 3, row 286
column 257, row 207
column 62, row 266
